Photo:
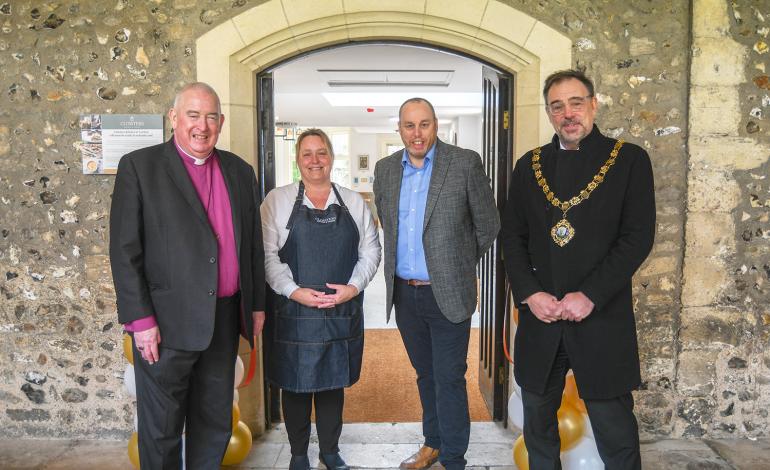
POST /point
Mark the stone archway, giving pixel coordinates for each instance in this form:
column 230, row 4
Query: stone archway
column 229, row 56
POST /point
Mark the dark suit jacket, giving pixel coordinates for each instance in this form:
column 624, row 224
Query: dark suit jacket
column 164, row 253
column 461, row 222
column 615, row 229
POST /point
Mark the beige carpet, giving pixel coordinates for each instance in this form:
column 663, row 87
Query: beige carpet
column 387, row 390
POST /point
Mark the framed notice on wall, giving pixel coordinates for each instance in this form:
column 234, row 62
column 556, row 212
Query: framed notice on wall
column 105, row 138
column 363, row 162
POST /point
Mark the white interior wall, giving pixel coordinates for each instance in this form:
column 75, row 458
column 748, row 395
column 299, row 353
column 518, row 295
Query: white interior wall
column 373, row 146
column 363, row 145
column 469, row 132
column 284, row 155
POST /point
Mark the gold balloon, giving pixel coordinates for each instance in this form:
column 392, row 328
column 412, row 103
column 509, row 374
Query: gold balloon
column 133, row 449
column 127, row 351
column 520, row 454
column 571, row 394
column 571, row 426
column 239, row 446
column 516, row 316
column 236, row 414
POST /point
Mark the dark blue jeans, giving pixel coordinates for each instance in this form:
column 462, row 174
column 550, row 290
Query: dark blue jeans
column 438, row 351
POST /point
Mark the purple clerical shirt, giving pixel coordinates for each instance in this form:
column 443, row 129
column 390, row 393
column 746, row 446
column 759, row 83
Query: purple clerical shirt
column 210, row 185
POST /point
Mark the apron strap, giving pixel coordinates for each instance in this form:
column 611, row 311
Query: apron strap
column 297, row 203
column 339, row 198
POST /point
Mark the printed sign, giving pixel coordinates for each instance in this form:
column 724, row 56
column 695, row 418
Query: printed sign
column 107, row 137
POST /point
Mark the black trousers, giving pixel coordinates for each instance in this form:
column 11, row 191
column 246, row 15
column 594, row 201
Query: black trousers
column 612, row 421
column 438, row 351
column 193, row 388
column 296, row 409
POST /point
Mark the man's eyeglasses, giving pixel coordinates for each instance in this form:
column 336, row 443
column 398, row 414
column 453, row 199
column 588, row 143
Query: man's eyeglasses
column 576, row 103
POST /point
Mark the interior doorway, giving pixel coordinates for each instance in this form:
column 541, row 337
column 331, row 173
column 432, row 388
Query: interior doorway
column 353, row 93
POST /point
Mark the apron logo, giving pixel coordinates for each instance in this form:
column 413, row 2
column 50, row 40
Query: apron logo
column 326, row 220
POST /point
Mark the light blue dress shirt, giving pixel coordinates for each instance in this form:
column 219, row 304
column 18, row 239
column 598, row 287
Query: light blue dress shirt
column 410, row 253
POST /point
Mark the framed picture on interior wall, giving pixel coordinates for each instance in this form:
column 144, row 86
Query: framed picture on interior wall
column 280, row 131
column 363, row 162
column 289, row 134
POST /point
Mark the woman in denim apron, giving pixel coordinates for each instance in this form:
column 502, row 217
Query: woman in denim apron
column 319, row 255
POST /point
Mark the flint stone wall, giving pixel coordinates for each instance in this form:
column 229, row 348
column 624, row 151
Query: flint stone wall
column 687, row 81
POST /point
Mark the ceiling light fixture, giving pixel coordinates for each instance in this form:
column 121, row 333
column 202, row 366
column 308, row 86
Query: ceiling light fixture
column 459, row 100
column 386, row 77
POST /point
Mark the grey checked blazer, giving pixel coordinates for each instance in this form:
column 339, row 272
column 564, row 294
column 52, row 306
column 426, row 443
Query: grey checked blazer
column 461, row 222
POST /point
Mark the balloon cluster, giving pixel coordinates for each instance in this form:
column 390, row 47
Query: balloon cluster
column 578, row 447
column 240, row 441
column 129, row 381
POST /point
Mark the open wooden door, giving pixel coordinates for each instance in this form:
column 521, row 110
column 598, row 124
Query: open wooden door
column 266, row 138
column 496, row 156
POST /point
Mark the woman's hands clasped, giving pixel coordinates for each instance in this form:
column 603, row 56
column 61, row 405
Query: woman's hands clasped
column 317, row 299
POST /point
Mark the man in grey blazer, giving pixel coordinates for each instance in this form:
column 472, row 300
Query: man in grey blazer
column 438, row 215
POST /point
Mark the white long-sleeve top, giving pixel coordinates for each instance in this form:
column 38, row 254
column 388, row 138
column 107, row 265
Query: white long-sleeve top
column 275, row 212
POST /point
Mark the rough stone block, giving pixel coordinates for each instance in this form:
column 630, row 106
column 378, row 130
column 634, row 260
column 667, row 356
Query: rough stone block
column 697, row 373
column 697, row 412
column 641, row 46
column 710, row 234
column 742, row 453
column 727, row 153
column 5, row 145
column 712, row 191
column 715, row 110
column 705, row 279
column 711, row 328
column 654, row 459
column 718, row 62
column 97, row 267
column 709, row 19
column 659, row 265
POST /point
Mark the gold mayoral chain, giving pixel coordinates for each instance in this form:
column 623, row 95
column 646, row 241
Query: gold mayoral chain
column 563, row 231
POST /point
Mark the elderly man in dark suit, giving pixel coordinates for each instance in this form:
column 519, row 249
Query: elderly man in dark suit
column 579, row 221
column 438, row 216
column 188, row 266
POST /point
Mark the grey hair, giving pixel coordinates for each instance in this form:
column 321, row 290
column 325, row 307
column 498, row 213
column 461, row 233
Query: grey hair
column 201, row 86
column 562, row 75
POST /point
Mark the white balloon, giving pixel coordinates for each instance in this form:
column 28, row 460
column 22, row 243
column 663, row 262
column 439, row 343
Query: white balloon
column 584, row 456
column 235, row 396
column 129, row 380
column 183, row 452
column 516, row 411
column 238, row 371
column 516, row 386
column 588, row 431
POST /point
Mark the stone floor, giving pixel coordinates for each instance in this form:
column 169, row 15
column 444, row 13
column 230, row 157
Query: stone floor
column 383, row 446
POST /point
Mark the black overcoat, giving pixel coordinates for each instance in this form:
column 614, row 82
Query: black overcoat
column 163, row 250
column 614, row 233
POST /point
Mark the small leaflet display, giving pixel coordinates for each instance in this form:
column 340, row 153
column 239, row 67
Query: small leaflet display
column 105, row 138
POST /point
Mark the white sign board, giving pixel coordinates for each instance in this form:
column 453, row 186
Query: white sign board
column 107, row 137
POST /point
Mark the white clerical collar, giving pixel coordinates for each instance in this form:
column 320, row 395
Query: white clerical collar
column 561, row 146
column 196, row 160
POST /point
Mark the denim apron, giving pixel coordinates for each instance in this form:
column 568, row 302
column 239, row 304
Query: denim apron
column 314, row 349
